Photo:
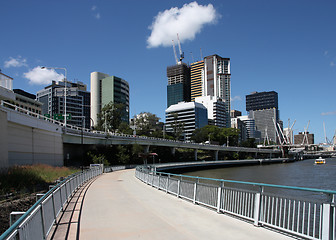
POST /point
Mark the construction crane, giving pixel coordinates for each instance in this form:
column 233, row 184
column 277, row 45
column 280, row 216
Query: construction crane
column 176, row 59
column 181, row 53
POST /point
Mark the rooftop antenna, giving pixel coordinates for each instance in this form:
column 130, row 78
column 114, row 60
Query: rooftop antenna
column 179, row 45
column 201, row 54
column 176, row 59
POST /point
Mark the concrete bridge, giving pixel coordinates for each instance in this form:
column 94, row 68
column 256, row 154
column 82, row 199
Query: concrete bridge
column 29, row 138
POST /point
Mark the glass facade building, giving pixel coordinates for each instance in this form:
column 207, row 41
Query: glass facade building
column 178, row 89
column 196, row 76
column 106, row 89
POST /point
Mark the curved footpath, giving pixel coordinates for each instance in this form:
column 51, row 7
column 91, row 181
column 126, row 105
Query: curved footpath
column 118, row 206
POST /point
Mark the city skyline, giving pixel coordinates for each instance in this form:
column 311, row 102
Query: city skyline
column 287, row 47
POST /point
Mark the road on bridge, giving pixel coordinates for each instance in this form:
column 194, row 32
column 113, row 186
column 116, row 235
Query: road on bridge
column 118, row 206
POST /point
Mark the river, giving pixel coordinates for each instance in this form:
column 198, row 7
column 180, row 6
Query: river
column 298, row 174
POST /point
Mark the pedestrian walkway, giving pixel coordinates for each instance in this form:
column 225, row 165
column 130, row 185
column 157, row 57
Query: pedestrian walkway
column 118, row 206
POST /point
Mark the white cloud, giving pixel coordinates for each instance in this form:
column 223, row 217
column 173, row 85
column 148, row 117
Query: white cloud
column 97, row 15
column 236, row 98
column 186, row 21
column 42, row 76
column 16, row 62
column 332, row 64
column 325, row 53
column 328, row 113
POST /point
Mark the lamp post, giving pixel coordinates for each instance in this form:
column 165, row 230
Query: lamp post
column 65, row 91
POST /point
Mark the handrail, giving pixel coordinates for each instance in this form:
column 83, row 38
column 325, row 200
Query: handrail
column 255, row 184
column 309, row 218
column 88, row 173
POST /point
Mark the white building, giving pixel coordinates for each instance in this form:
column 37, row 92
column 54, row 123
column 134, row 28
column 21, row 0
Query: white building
column 186, row 117
column 217, row 110
column 250, row 127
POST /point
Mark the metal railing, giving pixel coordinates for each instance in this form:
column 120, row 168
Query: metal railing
column 308, row 213
column 38, row 221
column 71, row 129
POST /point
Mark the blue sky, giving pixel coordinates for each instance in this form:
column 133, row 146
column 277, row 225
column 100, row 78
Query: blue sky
column 285, row 46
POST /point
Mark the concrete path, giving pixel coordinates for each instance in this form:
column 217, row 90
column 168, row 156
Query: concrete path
column 118, row 206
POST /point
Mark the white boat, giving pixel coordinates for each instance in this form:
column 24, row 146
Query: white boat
column 320, row 160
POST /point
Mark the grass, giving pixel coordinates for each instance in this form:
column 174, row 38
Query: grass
column 27, row 179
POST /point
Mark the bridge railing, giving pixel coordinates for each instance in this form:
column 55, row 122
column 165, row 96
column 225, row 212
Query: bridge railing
column 94, row 133
column 308, row 213
column 38, row 221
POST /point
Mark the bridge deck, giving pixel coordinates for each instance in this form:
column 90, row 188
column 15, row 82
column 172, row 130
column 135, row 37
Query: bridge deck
column 118, row 206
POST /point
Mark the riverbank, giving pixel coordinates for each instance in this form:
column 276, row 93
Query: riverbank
column 205, row 165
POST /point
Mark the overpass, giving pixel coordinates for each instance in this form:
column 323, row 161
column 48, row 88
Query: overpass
column 30, row 138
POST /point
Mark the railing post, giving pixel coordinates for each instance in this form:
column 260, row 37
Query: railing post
column 178, row 187
column 257, row 205
column 167, row 183
column 195, row 191
column 219, row 198
column 327, row 220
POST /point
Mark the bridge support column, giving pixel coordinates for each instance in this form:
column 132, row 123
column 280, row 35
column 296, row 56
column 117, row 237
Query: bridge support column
column 173, row 150
column 216, row 155
column 270, row 155
column 195, row 154
column 147, row 149
column 256, row 155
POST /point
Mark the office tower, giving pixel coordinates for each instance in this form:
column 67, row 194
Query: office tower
column 27, row 101
column 251, row 131
column 217, row 81
column 77, row 102
column 186, row 116
column 216, row 111
column 235, row 113
column 239, row 124
column 263, row 108
column 178, row 89
column 196, row 76
column 106, row 89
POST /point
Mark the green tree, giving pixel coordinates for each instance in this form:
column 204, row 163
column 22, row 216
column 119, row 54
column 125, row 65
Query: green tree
column 111, row 116
column 148, row 124
column 215, row 134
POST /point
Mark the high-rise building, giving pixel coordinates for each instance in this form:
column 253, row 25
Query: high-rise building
column 217, row 78
column 178, row 89
column 186, row 116
column 77, row 102
column 106, row 89
column 27, row 101
column 217, row 82
column 251, row 131
column 239, row 124
column 263, row 108
column 196, row 76
column 216, row 111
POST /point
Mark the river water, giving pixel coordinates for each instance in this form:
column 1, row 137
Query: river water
column 298, row 174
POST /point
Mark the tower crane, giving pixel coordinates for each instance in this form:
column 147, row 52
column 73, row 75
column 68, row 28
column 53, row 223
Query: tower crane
column 176, row 59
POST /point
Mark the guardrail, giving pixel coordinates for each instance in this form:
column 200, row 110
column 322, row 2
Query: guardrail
column 37, row 222
column 70, row 129
column 258, row 203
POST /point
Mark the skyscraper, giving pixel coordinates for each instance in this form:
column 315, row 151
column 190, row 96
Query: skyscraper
column 178, row 89
column 77, row 101
column 217, row 82
column 263, row 108
column 197, row 71
column 106, row 89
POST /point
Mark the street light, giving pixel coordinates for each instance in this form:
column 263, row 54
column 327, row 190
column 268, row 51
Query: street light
column 65, row 91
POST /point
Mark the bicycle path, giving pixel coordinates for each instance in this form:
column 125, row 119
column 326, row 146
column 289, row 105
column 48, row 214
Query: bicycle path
column 118, row 206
